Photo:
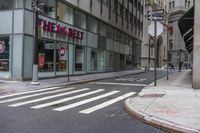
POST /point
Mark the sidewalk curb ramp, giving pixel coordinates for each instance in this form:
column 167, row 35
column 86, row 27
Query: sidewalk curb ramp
column 157, row 122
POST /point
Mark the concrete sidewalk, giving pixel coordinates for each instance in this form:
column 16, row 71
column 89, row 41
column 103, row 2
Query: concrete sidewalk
column 7, row 87
column 172, row 106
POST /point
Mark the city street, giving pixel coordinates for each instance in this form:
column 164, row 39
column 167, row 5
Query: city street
column 95, row 107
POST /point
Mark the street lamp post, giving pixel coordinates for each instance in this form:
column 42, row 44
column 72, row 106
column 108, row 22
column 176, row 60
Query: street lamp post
column 35, row 43
column 167, row 53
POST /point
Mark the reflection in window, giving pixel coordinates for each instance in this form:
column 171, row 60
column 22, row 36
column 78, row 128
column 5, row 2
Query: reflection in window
column 46, row 7
column 79, row 58
column 45, row 56
column 65, row 13
column 6, row 4
column 4, row 52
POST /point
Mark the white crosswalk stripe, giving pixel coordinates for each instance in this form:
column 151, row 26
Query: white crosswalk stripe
column 28, row 92
column 105, row 104
column 65, row 99
column 85, row 101
column 46, row 98
column 33, row 95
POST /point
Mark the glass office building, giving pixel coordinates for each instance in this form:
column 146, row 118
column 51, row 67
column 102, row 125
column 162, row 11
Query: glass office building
column 70, row 40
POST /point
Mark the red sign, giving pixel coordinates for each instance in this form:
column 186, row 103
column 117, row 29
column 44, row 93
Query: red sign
column 62, row 51
column 53, row 27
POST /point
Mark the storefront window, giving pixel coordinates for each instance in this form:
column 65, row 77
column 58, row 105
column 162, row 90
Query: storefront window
column 93, row 61
column 102, row 29
column 6, row 4
column 65, row 13
column 18, row 3
column 46, row 7
column 109, row 61
column 100, row 61
column 79, row 58
column 49, row 10
column 5, row 42
column 79, row 19
column 92, row 25
column 61, row 57
column 46, row 56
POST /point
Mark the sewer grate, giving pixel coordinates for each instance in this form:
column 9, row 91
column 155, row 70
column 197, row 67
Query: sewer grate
column 152, row 95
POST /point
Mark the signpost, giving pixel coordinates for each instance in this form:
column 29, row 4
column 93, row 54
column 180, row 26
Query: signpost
column 155, row 15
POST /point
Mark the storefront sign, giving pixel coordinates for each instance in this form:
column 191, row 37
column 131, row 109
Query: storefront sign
column 2, row 46
column 57, row 28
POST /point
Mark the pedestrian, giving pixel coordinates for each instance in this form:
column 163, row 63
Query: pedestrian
column 180, row 65
column 171, row 66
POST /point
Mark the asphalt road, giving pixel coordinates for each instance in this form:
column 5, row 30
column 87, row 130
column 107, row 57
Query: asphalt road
column 95, row 107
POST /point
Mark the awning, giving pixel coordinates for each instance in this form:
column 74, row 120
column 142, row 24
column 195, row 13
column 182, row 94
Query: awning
column 186, row 25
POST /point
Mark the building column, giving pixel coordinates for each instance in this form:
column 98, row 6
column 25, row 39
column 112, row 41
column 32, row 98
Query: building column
column 196, row 46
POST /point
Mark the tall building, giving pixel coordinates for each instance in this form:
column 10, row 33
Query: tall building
column 177, row 50
column 74, row 37
column 147, row 52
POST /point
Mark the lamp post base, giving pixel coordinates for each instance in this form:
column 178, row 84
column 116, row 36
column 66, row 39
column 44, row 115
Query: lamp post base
column 35, row 75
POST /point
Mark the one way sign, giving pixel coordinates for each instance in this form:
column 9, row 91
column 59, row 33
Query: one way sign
column 155, row 15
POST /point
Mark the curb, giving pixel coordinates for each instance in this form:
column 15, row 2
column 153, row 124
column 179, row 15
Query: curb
column 158, row 123
column 80, row 82
column 91, row 80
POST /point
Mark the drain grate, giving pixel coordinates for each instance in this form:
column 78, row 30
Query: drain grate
column 152, row 95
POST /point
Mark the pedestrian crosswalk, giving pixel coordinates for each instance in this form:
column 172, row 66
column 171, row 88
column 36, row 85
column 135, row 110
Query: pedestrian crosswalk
column 66, row 98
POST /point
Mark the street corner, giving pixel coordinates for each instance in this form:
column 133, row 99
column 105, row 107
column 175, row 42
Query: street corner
column 136, row 109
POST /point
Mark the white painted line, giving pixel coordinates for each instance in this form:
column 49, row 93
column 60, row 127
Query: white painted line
column 46, row 98
column 85, row 101
column 105, row 104
column 33, row 95
column 28, row 92
column 65, row 99
column 125, row 84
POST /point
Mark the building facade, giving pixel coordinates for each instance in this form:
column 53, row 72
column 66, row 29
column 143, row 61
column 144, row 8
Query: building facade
column 74, row 37
column 147, row 52
column 177, row 50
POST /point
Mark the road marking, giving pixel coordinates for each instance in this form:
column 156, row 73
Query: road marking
column 125, row 84
column 65, row 99
column 105, row 104
column 28, row 92
column 46, row 98
column 85, row 101
column 33, row 95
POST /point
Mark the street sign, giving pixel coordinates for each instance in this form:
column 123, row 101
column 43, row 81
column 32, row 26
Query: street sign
column 159, row 12
column 156, row 15
column 155, row 18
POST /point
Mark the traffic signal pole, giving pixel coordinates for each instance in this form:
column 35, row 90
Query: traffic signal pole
column 155, row 56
